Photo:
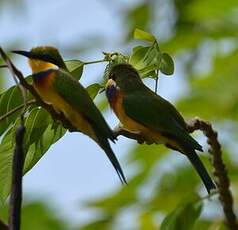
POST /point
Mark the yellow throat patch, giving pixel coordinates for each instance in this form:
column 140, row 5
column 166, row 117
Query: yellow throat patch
column 38, row 65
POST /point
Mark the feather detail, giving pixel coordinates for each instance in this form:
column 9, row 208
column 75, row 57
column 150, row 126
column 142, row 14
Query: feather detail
column 112, row 94
column 43, row 78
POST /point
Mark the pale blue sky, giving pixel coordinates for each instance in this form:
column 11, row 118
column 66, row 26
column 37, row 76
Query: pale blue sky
column 75, row 169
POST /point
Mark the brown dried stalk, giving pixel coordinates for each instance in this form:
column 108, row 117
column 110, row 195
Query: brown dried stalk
column 220, row 170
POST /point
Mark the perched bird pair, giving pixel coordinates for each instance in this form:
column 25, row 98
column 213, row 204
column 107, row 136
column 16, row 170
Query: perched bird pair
column 138, row 108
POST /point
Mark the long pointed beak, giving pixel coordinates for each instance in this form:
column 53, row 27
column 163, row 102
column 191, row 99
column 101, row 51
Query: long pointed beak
column 21, row 52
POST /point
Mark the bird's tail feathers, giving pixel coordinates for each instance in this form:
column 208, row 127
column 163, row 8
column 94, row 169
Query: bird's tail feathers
column 104, row 143
column 198, row 165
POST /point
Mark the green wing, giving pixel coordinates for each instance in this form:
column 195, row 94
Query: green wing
column 158, row 114
column 75, row 94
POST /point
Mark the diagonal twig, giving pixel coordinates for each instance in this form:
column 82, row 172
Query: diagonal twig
column 9, row 113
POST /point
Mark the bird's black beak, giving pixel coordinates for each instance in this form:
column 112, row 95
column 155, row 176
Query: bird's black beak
column 21, row 52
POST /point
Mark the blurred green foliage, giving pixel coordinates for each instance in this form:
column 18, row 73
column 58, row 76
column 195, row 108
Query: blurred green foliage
column 38, row 215
column 204, row 42
column 163, row 191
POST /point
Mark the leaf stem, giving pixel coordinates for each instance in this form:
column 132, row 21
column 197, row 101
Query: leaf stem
column 3, row 66
column 94, row 62
column 156, row 81
column 3, row 117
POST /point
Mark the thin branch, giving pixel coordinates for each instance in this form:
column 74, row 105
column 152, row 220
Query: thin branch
column 3, row 66
column 94, row 62
column 156, row 81
column 3, row 117
column 16, row 190
column 220, row 170
column 120, row 131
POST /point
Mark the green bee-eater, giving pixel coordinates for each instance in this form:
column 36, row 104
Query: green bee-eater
column 57, row 87
column 142, row 111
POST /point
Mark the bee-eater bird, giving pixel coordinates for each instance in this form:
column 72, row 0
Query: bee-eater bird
column 57, row 87
column 142, row 111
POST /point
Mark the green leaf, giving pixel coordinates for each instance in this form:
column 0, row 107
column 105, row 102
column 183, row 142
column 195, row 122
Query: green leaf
column 10, row 100
column 138, row 17
column 204, row 87
column 167, row 64
column 146, row 221
column 51, row 135
column 122, row 198
column 94, row 89
column 183, row 217
column 36, row 123
column 40, row 135
column 144, row 36
column 99, row 224
column 146, row 59
column 75, row 67
column 40, row 215
column 174, row 187
column 137, row 56
column 6, row 151
column 37, row 215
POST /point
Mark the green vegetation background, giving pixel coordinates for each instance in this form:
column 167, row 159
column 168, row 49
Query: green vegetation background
column 202, row 37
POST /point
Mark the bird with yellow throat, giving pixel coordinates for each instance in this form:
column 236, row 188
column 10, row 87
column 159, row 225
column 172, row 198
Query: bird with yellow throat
column 56, row 86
